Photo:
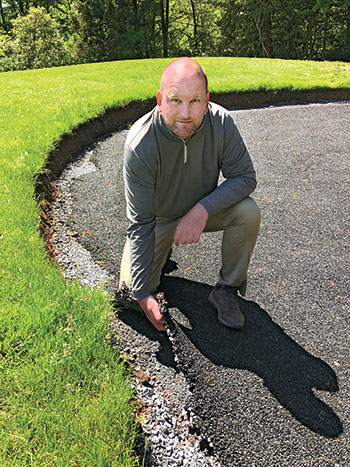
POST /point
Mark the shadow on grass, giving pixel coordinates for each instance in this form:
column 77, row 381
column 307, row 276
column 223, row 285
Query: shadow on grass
column 262, row 347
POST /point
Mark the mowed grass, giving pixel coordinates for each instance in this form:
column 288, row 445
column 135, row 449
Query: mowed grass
column 64, row 394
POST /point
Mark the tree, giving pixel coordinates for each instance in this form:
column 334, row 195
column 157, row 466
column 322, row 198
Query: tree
column 303, row 29
column 115, row 29
column 346, row 48
column 164, row 18
column 193, row 27
column 2, row 16
column 37, row 42
column 100, row 30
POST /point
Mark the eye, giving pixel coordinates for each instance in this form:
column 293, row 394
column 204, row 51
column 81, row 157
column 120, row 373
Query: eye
column 175, row 100
column 196, row 100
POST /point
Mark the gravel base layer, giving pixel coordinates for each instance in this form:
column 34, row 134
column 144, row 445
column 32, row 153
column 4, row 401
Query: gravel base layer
column 277, row 392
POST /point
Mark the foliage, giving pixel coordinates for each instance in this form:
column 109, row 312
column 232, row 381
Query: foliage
column 109, row 30
column 106, row 30
column 193, row 28
column 303, row 29
column 37, row 42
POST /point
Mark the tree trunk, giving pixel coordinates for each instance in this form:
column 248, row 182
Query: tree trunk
column 264, row 27
column 325, row 33
column 136, row 26
column 21, row 7
column 265, row 52
column 195, row 28
column 3, row 17
column 347, row 35
column 164, row 18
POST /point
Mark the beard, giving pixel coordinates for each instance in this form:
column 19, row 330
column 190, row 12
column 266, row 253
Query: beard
column 184, row 129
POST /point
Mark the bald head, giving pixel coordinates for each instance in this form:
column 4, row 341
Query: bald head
column 180, row 68
column 183, row 98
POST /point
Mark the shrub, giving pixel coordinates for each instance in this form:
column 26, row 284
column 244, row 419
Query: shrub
column 37, row 43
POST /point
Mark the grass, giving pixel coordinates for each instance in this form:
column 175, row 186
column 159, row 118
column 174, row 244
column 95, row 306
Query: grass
column 64, row 394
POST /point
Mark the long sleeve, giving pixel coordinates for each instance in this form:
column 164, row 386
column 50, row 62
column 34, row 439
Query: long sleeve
column 141, row 213
column 237, row 167
column 159, row 184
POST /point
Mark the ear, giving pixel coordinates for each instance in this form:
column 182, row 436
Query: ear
column 159, row 100
column 207, row 99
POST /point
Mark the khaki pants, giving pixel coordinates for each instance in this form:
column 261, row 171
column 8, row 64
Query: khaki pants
column 240, row 225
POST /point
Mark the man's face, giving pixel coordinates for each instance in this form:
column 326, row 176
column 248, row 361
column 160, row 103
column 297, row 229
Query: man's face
column 183, row 102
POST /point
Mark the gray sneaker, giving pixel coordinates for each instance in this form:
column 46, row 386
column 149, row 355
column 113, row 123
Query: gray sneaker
column 227, row 306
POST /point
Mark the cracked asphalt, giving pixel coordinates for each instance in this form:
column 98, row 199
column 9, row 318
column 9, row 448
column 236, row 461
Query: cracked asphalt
column 276, row 393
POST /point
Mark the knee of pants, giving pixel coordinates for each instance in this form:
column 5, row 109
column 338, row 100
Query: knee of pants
column 247, row 212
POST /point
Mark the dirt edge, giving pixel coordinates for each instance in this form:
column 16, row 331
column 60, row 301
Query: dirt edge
column 71, row 144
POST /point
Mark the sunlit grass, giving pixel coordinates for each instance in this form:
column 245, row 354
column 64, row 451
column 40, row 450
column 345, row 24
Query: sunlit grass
column 244, row 74
column 64, row 396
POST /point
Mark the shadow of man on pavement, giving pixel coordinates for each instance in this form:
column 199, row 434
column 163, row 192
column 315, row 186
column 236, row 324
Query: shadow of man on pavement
column 137, row 321
column 262, row 347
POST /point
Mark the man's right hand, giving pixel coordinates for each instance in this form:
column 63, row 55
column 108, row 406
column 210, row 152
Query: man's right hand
column 151, row 309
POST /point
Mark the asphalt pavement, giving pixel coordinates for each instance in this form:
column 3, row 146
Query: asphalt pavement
column 276, row 393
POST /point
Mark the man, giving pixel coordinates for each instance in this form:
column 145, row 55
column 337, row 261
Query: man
column 173, row 156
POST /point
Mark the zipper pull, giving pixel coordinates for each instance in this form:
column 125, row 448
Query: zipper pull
column 185, row 152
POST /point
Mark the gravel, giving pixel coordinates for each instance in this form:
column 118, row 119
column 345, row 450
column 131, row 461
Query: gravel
column 277, row 392
column 169, row 438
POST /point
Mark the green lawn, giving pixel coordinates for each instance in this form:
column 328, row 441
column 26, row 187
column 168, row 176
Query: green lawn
column 65, row 399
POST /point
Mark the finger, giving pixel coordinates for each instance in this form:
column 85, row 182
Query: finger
column 179, row 238
column 154, row 315
column 190, row 240
column 157, row 321
column 176, row 238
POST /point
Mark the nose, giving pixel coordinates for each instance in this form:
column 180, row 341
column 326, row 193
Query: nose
column 185, row 110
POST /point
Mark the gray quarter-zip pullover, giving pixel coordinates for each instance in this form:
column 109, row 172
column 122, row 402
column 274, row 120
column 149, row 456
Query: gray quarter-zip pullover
column 165, row 176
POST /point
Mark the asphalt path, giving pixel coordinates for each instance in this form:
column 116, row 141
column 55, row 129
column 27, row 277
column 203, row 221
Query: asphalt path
column 277, row 392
